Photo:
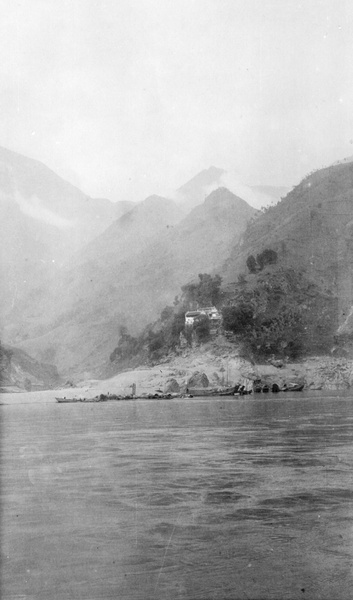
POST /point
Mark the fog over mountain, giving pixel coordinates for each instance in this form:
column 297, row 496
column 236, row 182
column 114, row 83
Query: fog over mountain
column 125, row 276
column 201, row 185
column 44, row 221
column 75, row 269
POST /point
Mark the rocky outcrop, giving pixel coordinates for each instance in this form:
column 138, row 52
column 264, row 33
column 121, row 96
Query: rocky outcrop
column 172, row 387
column 19, row 372
column 328, row 373
column 198, row 380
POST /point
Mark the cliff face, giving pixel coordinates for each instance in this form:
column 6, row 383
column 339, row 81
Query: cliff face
column 18, row 371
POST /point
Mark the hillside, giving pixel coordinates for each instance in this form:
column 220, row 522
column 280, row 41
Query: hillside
column 126, row 277
column 73, row 274
column 311, row 231
column 132, row 232
column 18, row 371
column 44, row 221
column 287, row 284
column 196, row 190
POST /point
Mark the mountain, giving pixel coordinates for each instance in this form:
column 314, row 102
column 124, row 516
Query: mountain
column 311, row 231
column 19, row 371
column 201, row 185
column 126, row 276
column 81, row 308
column 48, row 200
column 131, row 233
column 44, row 220
column 195, row 191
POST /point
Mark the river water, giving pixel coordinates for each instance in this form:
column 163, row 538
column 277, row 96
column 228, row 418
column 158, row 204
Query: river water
column 182, row 499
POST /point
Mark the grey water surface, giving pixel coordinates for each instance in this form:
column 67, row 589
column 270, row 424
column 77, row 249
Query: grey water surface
column 181, row 499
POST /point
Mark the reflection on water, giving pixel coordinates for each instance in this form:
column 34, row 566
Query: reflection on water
column 209, row 498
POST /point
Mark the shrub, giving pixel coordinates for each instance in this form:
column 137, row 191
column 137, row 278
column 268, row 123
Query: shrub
column 206, row 291
column 251, row 264
column 237, row 318
column 202, row 328
column 267, row 257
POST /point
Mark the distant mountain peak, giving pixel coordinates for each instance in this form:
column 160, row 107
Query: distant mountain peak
column 201, row 180
column 194, row 191
column 221, row 194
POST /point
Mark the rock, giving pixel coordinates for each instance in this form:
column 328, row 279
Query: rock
column 69, row 384
column 198, row 379
column 172, row 386
column 216, row 378
column 277, row 363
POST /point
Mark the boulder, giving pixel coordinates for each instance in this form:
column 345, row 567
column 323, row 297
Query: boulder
column 277, row 363
column 198, row 380
column 172, row 387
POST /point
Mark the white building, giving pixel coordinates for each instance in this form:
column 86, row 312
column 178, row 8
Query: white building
column 191, row 315
column 210, row 311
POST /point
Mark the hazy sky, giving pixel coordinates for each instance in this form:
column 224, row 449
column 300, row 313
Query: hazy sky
column 131, row 97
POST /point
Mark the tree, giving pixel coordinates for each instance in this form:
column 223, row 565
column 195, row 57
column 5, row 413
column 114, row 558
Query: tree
column 167, row 313
column 206, row 292
column 156, row 341
column 202, row 328
column 251, row 264
column 267, row 257
column 127, row 346
column 237, row 318
column 176, row 327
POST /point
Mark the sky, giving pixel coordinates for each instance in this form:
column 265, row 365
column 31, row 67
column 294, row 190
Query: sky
column 127, row 98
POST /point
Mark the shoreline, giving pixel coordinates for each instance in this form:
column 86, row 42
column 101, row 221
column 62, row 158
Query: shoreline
column 222, row 368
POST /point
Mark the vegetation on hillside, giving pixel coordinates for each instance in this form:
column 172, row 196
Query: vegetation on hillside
column 276, row 312
column 280, row 313
column 205, row 292
column 5, row 359
column 267, row 257
column 166, row 334
column 19, row 369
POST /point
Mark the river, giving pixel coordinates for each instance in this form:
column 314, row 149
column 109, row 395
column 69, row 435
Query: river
column 203, row 498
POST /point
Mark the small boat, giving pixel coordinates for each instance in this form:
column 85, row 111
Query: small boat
column 199, row 391
column 95, row 399
column 68, row 399
column 295, row 387
column 235, row 390
column 229, row 391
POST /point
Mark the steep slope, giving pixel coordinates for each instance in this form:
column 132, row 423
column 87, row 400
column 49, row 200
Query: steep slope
column 132, row 232
column 312, row 231
column 76, row 316
column 44, row 221
column 20, row 371
column 129, row 274
column 196, row 190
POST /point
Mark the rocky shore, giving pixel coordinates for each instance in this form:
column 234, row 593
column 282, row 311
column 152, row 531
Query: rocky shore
column 212, row 368
column 208, row 367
